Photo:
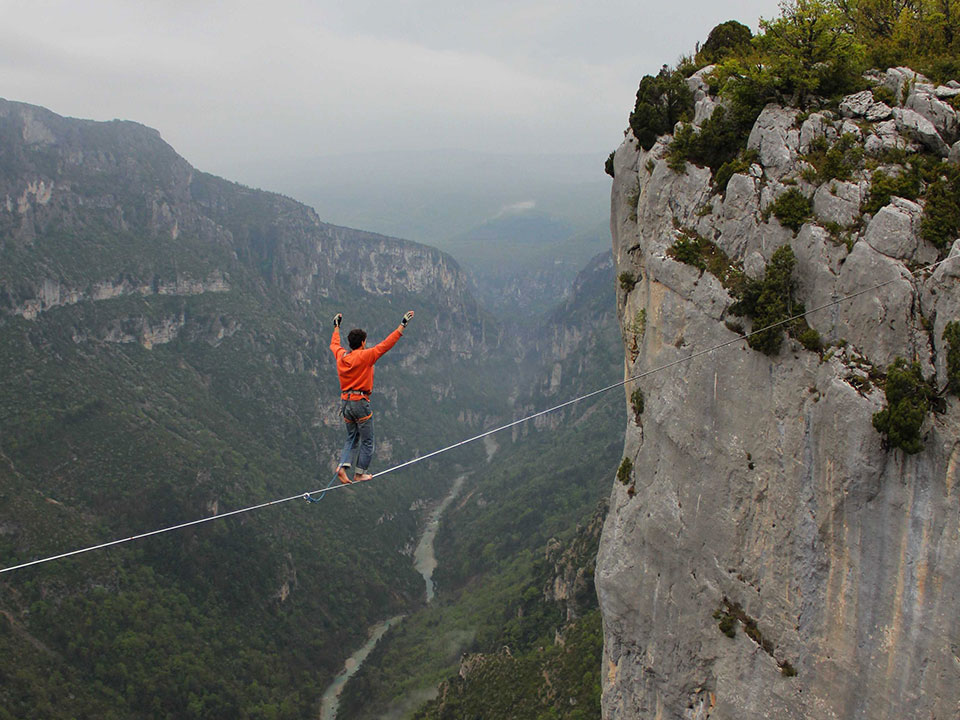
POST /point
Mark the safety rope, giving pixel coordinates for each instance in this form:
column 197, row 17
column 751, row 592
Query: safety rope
column 309, row 496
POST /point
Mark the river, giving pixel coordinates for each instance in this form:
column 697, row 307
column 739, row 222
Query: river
column 425, row 562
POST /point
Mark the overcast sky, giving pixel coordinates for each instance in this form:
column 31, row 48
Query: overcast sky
column 290, row 78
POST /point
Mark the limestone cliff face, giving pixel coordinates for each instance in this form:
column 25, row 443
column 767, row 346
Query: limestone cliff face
column 760, row 488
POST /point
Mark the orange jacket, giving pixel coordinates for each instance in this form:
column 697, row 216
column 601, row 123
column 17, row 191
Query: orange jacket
column 355, row 368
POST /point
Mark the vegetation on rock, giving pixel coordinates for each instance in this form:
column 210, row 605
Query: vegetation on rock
column 636, row 403
column 941, row 212
column 834, row 162
column 770, row 301
column 792, row 209
column 908, row 400
column 951, row 335
column 662, row 101
column 727, row 38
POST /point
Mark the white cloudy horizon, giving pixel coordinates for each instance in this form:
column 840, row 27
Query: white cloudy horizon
column 224, row 81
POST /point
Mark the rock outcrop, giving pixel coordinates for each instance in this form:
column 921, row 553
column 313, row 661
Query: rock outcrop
column 762, row 503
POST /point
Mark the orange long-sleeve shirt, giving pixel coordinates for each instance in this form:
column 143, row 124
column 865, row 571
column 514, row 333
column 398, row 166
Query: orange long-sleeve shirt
column 355, row 368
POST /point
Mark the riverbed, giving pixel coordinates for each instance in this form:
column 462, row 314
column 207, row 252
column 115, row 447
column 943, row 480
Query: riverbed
column 425, row 562
column 424, row 557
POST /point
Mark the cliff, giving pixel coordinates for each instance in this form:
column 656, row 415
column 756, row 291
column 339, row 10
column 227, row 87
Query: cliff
column 762, row 503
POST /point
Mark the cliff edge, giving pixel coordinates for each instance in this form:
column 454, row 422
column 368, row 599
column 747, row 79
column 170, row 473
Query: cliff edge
column 768, row 553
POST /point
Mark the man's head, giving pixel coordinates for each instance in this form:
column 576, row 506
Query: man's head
column 356, row 338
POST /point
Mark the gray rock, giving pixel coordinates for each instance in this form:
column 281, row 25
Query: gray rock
column 811, row 129
column 848, row 127
column 857, row 105
column 838, row 202
column 890, row 139
column 878, row 112
column 941, row 115
column 776, row 140
column 754, row 265
column 703, row 109
column 697, row 83
column 899, row 77
column 945, row 92
column 911, row 123
column 895, row 232
column 762, row 480
column 873, row 144
column 954, row 156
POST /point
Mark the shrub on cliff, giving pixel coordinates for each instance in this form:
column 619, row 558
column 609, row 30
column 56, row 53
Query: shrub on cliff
column 884, row 186
column 837, row 162
column 720, row 140
column 941, row 213
column 792, row 209
column 727, row 38
column 908, row 399
column 951, row 334
column 810, row 51
column 662, row 101
column 770, row 301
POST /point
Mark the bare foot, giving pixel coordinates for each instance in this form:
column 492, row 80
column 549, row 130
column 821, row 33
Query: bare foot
column 361, row 477
column 342, row 476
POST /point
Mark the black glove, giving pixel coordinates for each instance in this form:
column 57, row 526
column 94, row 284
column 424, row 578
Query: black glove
column 336, row 319
column 406, row 318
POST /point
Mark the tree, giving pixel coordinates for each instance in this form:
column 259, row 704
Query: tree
column 811, row 49
column 908, row 399
column 728, row 38
column 662, row 101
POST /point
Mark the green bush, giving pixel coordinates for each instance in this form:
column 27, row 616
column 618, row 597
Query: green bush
column 688, row 249
column 627, row 280
column 726, row 622
column 636, row 402
column 769, row 301
column 720, row 140
column 883, row 94
column 810, row 339
column 884, row 186
column 727, row 38
column 941, row 213
column 951, row 335
column 625, row 471
column 740, row 164
column 792, row 209
column 662, row 101
column 809, row 51
column 908, row 399
column 837, row 162
column 681, row 147
column 608, row 165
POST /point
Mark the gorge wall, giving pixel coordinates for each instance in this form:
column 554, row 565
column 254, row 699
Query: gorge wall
column 762, row 501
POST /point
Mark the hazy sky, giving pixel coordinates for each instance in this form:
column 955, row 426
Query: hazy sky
column 289, row 78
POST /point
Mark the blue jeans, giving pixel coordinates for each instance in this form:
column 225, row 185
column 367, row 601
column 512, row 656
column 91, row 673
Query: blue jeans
column 359, row 421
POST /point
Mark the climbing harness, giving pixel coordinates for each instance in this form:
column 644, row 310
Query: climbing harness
column 309, row 496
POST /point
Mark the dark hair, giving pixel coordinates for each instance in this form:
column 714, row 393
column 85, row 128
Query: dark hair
column 355, row 338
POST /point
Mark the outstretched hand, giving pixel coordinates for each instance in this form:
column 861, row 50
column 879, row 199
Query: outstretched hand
column 337, row 319
column 406, row 318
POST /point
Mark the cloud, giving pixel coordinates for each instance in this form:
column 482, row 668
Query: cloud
column 295, row 78
column 516, row 208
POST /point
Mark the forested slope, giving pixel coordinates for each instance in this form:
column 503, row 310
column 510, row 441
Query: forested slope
column 163, row 336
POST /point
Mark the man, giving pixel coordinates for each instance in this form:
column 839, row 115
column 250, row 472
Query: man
column 355, row 370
